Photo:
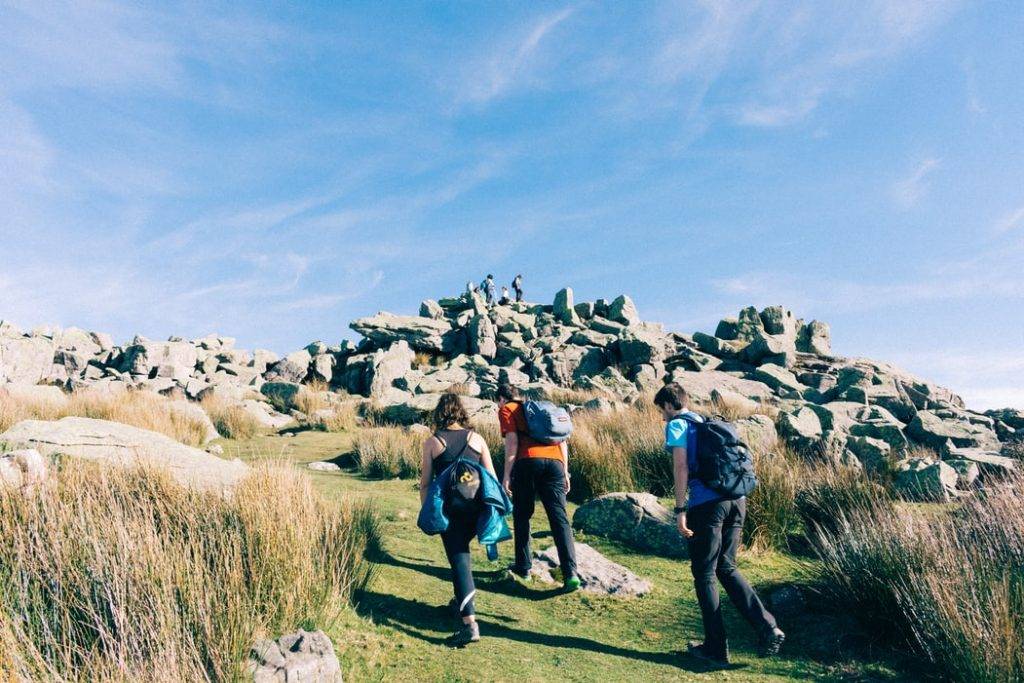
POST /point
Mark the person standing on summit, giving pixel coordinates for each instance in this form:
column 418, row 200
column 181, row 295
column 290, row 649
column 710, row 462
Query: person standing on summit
column 517, row 287
column 490, row 290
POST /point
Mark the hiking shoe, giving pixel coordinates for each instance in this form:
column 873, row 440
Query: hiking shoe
column 469, row 633
column 572, row 584
column 701, row 651
column 771, row 642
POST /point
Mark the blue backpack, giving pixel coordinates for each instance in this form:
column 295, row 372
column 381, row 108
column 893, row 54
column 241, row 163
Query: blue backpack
column 546, row 422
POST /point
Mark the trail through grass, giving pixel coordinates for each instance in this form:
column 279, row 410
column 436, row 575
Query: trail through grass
column 537, row 634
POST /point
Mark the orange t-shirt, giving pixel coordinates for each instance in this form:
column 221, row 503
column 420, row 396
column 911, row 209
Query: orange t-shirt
column 512, row 419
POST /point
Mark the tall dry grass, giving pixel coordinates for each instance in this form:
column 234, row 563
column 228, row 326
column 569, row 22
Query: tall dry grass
column 340, row 418
column 142, row 409
column 619, row 451
column 122, row 574
column 733, row 409
column 231, row 420
column 389, row 452
column 951, row 582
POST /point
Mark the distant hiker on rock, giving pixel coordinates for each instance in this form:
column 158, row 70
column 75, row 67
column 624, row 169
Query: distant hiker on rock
column 504, row 300
column 710, row 463
column 517, row 287
column 536, row 465
column 456, row 506
column 490, row 289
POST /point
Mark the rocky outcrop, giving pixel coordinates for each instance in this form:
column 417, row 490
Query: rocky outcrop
column 596, row 572
column 22, row 468
column 635, row 519
column 303, row 657
column 121, row 444
column 851, row 410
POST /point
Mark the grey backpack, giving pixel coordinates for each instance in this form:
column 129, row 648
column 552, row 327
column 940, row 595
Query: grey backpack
column 546, row 422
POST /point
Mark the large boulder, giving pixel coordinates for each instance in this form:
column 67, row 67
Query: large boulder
column 990, row 463
column 302, row 657
column 572, row 363
column 780, row 379
column 292, row 368
column 932, row 429
column 596, row 572
column 121, row 444
column 878, row 423
column 920, row 479
column 758, row 432
column 770, row 348
column 638, row 346
column 482, row 337
column 700, row 385
column 25, row 360
column 815, row 337
column 422, row 334
column 564, row 309
column 623, row 310
column 636, row 519
column 779, row 321
column 264, row 413
column 171, row 359
column 802, row 429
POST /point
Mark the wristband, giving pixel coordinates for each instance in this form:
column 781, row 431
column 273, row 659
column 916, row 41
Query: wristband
column 680, row 509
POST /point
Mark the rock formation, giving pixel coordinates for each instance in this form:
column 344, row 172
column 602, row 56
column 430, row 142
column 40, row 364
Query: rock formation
column 852, row 410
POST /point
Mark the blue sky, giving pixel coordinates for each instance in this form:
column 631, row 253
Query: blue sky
column 271, row 171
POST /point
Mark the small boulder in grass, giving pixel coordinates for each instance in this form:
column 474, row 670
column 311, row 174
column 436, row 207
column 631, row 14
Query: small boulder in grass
column 303, row 656
column 22, row 468
column 323, row 466
column 597, row 573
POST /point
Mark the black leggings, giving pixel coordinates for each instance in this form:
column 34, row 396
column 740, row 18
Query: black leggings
column 461, row 530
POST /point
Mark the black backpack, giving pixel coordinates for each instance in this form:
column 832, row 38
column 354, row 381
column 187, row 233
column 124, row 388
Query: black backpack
column 462, row 490
column 724, row 462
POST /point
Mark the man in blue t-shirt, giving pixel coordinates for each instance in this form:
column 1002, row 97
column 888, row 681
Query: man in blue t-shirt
column 712, row 525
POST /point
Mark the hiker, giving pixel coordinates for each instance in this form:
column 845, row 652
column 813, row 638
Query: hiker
column 712, row 523
column 453, row 441
column 534, row 468
column 517, row 287
column 489, row 289
column 504, row 300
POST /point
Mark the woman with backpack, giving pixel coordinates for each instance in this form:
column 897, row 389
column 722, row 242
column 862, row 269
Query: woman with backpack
column 452, row 442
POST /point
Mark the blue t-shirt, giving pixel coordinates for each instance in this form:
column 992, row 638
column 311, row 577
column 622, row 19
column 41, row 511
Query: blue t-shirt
column 679, row 434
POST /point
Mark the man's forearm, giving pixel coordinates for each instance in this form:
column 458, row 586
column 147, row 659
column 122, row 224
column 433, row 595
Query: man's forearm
column 681, row 476
column 511, row 450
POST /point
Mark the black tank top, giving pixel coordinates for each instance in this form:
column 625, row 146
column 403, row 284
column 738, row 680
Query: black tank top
column 456, row 442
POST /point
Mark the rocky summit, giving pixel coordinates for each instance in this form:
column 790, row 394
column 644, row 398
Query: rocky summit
column 851, row 410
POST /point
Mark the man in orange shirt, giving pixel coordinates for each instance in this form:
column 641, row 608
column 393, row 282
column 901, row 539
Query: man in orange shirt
column 532, row 469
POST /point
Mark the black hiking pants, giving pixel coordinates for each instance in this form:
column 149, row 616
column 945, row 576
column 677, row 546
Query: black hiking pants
column 460, row 533
column 543, row 477
column 717, row 527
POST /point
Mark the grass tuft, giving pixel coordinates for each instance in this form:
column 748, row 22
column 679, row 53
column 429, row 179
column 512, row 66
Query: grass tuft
column 389, row 452
column 123, row 574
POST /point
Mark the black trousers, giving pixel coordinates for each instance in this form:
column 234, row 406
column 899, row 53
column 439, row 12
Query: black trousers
column 543, row 477
column 461, row 531
column 717, row 527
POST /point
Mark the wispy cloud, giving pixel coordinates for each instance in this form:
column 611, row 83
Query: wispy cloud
column 1010, row 222
column 908, row 191
column 497, row 73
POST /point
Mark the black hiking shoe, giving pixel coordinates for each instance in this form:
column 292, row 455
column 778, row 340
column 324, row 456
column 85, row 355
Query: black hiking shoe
column 771, row 642
column 469, row 633
column 701, row 651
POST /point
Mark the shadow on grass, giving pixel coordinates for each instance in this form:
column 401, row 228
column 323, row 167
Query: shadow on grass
column 413, row 618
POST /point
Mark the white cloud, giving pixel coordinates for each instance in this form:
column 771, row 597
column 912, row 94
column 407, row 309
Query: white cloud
column 500, row 70
column 1009, row 222
column 908, row 191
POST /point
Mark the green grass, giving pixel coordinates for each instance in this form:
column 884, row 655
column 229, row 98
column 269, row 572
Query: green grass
column 533, row 634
